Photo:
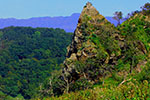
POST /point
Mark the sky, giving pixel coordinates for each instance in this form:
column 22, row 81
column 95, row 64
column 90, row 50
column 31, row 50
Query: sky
column 23, row 9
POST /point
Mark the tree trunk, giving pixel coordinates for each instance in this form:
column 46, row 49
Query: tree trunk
column 67, row 88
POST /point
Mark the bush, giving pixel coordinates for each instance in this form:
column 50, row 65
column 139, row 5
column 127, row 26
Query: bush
column 81, row 84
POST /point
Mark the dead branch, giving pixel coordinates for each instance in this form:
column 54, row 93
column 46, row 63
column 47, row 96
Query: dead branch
column 124, row 82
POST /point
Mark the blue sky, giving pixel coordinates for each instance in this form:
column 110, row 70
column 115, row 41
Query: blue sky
column 41, row 8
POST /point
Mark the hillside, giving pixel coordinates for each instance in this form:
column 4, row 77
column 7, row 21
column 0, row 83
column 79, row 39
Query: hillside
column 27, row 58
column 67, row 23
column 103, row 61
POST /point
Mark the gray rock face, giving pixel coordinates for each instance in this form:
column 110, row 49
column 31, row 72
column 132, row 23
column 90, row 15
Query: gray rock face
column 82, row 48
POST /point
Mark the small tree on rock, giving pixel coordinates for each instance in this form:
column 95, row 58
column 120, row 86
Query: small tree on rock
column 118, row 16
column 146, row 9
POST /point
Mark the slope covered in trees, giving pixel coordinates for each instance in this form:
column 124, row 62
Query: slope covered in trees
column 28, row 56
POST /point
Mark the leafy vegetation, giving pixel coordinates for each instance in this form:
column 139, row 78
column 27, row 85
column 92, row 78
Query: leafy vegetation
column 135, row 86
column 129, row 91
column 28, row 56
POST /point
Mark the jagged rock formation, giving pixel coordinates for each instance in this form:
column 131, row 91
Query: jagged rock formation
column 85, row 43
column 97, row 39
column 91, row 16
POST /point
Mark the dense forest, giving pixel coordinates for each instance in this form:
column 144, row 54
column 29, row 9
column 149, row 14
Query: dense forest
column 28, row 56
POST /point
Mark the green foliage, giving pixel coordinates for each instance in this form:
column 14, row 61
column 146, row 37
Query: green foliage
column 81, row 84
column 80, row 66
column 116, row 77
column 28, row 57
column 144, row 74
column 123, row 66
column 132, row 90
column 86, row 18
column 37, row 34
column 87, row 27
column 94, row 38
column 136, row 37
column 53, row 85
column 7, row 97
column 102, row 54
column 135, row 29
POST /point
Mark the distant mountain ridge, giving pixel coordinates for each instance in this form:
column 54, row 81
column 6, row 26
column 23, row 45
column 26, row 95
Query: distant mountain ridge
column 67, row 23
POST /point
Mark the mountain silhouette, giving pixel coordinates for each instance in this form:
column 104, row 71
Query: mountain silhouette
column 67, row 23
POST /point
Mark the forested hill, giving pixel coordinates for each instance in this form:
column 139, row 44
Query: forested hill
column 27, row 56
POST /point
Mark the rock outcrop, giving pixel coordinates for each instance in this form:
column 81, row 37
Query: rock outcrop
column 97, row 39
column 90, row 25
column 99, row 50
column 91, row 16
